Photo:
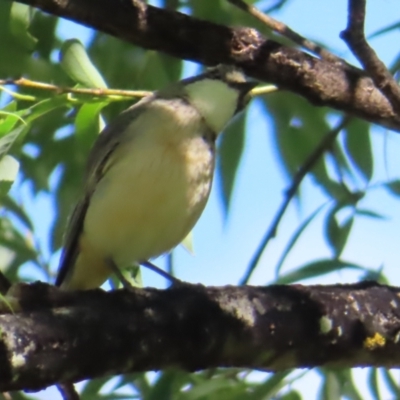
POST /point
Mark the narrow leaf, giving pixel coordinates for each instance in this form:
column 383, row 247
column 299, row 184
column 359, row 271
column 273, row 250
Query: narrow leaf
column 294, row 239
column 230, row 153
column 317, row 268
column 373, row 383
column 393, row 187
column 357, row 143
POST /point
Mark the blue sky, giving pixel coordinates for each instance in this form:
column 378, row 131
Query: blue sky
column 223, row 248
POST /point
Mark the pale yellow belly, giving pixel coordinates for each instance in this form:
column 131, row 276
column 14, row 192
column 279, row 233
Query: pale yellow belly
column 149, row 201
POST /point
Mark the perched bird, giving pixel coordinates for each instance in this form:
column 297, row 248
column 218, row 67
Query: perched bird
column 149, row 176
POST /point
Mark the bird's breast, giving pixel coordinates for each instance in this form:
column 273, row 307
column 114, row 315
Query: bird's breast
column 150, row 197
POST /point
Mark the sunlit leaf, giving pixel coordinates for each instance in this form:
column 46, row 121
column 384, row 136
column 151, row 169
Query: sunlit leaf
column 8, row 172
column 187, row 242
column 88, row 124
column 77, row 64
column 6, row 141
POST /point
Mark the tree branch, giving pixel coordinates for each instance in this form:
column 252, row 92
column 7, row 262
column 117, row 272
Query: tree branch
column 355, row 39
column 322, row 82
column 56, row 336
column 285, row 31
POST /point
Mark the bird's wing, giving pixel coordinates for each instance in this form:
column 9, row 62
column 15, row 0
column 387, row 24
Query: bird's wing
column 98, row 159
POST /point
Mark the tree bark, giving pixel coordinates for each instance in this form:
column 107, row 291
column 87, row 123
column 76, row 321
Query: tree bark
column 54, row 336
column 323, row 83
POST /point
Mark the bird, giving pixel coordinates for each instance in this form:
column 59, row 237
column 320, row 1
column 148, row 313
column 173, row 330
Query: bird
column 148, row 176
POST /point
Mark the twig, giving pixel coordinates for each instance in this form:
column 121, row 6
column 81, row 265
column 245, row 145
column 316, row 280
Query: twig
column 354, row 36
column 261, row 90
column 310, row 162
column 23, row 82
column 6, row 396
column 166, row 275
column 285, row 31
column 68, row 391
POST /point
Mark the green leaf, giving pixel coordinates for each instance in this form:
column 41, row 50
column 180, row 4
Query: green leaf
column 373, row 383
column 298, row 129
column 229, row 155
column 88, row 124
column 357, row 142
column 391, row 382
column 168, row 383
column 348, row 387
column 331, row 388
column 20, row 20
column 7, row 140
column 212, row 387
column 12, row 206
column 294, row 239
column 137, row 380
column 9, row 167
column 270, row 386
column 13, row 240
column 187, row 242
column 317, row 268
column 8, row 123
column 369, row 213
column 387, row 29
column 43, row 107
column 393, row 187
column 77, row 64
column 292, row 395
column 93, row 387
column 337, row 234
column 156, row 70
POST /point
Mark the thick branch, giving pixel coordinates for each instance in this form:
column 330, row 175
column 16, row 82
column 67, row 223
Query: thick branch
column 322, row 82
column 57, row 336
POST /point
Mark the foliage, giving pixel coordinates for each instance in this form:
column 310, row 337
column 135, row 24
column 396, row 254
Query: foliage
column 45, row 137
